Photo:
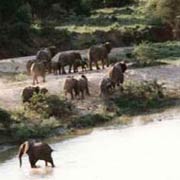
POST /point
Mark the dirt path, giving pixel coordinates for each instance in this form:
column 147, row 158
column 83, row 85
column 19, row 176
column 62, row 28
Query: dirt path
column 11, row 88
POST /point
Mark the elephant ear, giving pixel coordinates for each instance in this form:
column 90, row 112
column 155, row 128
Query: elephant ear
column 108, row 46
column 22, row 150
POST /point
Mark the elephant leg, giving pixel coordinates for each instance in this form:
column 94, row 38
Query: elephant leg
column 82, row 94
column 32, row 162
column 102, row 63
column 33, row 80
column 46, row 163
column 90, row 66
column 44, row 78
column 97, row 67
column 72, row 95
column 107, row 62
column 63, row 71
column 70, row 68
column 36, row 79
column 51, row 161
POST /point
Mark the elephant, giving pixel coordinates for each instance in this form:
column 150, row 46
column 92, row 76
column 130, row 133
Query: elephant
column 106, row 86
column 76, row 86
column 70, row 59
column 82, row 63
column 83, row 86
column 116, row 73
column 36, row 150
column 43, row 90
column 99, row 53
column 28, row 65
column 71, row 86
column 55, row 67
column 46, row 55
column 29, row 91
column 38, row 69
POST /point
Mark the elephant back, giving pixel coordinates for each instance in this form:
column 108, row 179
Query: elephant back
column 43, row 55
column 105, row 86
column 116, row 74
column 28, row 92
column 40, row 150
column 38, row 69
column 70, row 83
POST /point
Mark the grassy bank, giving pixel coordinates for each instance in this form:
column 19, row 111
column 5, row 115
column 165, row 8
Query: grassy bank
column 51, row 115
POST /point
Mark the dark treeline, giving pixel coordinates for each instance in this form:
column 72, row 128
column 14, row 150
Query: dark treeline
column 17, row 18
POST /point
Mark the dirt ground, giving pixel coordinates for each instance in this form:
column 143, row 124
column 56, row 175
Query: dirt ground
column 12, row 84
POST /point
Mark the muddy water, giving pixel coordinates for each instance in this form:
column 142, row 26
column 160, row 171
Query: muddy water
column 141, row 152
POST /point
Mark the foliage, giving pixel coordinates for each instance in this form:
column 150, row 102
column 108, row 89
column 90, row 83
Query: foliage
column 145, row 54
column 48, row 106
column 140, row 96
column 167, row 10
column 90, row 120
column 5, row 118
column 148, row 53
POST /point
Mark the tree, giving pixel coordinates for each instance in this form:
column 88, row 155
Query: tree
column 166, row 10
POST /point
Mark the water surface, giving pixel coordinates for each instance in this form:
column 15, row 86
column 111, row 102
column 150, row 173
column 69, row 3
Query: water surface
column 148, row 152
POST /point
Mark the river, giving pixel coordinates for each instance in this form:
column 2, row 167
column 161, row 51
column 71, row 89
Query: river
column 141, row 152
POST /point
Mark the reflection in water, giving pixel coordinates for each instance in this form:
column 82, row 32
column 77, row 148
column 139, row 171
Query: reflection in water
column 142, row 152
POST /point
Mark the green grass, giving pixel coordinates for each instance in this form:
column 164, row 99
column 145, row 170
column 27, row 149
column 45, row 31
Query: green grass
column 155, row 53
column 106, row 20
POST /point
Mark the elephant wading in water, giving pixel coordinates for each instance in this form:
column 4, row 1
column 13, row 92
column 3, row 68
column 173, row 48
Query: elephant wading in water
column 46, row 55
column 36, row 151
column 99, row 53
column 116, row 73
column 69, row 59
column 38, row 69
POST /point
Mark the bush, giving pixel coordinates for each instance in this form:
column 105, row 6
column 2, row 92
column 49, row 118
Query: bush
column 25, row 131
column 48, row 106
column 140, row 96
column 90, row 120
column 5, row 118
column 145, row 54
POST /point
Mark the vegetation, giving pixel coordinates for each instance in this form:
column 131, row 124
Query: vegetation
column 148, row 53
column 140, row 97
column 48, row 106
column 90, row 120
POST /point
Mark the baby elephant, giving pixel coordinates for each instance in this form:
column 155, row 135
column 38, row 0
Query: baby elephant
column 106, row 87
column 76, row 86
column 28, row 92
column 116, row 73
column 36, row 151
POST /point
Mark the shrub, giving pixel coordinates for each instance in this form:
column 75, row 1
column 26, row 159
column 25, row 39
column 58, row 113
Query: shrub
column 140, row 96
column 48, row 106
column 145, row 54
column 5, row 118
column 90, row 120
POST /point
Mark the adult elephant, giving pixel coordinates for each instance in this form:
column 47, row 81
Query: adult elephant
column 38, row 69
column 116, row 73
column 69, row 59
column 36, row 151
column 46, row 54
column 99, row 53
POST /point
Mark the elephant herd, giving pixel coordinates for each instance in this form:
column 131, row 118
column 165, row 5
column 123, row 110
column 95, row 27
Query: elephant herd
column 44, row 61
column 75, row 87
